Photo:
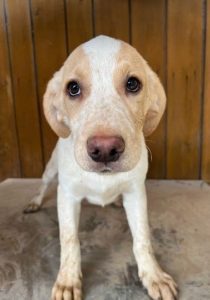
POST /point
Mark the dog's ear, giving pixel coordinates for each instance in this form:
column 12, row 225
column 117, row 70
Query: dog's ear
column 157, row 102
column 54, row 107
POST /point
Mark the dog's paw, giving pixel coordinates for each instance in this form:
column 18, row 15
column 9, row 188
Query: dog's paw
column 31, row 207
column 161, row 286
column 71, row 291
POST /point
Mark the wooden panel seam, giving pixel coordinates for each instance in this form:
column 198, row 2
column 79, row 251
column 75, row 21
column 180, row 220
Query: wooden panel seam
column 203, row 62
column 206, row 103
column 12, row 87
column 36, row 79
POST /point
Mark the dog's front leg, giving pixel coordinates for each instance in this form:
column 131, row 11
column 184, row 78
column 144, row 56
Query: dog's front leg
column 68, row 284
column 158, row 284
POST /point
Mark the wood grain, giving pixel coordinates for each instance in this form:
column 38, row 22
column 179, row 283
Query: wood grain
column 35, row 38
column 50, row 51
column 27, row 115
column 79, row 22
column 184, row 88
column 148, row 36
column 112, row 18
column 9, row 155
column 206, row 113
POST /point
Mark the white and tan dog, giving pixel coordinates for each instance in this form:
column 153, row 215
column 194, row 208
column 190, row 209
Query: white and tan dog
column 101, row 103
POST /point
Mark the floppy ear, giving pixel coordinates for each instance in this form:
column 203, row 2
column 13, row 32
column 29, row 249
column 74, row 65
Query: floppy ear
column 54, row 107
column 157, row 102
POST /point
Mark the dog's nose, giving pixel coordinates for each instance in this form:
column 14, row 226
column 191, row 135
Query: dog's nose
column 105, row 148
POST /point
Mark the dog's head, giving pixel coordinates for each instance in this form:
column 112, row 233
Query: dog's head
column 105, row 95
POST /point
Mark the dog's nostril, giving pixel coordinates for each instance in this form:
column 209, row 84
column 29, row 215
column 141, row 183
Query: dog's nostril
column 96, row 152
column 113, row 155
column 113, row 152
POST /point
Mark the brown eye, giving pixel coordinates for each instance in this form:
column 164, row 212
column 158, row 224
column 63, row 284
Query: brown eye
column 133, row 85
column 73, row 89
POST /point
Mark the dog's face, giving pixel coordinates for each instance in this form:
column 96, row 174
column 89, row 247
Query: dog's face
column 105, row 96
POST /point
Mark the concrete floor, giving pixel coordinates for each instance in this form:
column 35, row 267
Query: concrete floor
column 29, row 246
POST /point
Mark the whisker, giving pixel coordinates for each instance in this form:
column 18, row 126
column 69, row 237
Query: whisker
column 150, row 152
column 147, row 140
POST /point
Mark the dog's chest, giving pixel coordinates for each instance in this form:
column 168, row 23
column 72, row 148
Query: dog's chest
column 100, row 191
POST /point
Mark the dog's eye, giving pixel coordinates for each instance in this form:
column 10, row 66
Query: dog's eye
column 73, row 89
column 133, row 85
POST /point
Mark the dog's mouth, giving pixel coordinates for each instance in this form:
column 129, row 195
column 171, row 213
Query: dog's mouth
column 106, row 170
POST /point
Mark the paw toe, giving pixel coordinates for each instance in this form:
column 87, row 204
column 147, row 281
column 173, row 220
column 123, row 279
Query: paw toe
column 166, row 292
column 60, row 292
column 31, row 208
column 67, row 294
column 163, row 288
column 154, row 292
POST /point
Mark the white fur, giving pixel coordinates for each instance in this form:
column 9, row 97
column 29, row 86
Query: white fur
column 76, row 184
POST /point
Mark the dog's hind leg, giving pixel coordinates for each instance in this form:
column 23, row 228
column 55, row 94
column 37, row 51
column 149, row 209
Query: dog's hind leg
column 48, row 176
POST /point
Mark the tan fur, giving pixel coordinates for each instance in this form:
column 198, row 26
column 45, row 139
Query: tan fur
column 147, row 107
column 54, row 107
column 57, row 107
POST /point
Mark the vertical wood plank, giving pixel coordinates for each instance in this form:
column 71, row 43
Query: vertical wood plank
column 206, row 113
column 148, row 36
column 9, row 158
column 79, row 22
column 184, row 88
column 26, row 106
column 48, row 21
column 112, row 18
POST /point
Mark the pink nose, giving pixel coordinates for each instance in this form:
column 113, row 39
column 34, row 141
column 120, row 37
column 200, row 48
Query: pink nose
column 105, row 148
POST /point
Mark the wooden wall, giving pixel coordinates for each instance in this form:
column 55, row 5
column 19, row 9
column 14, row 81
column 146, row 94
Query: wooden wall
column 174, row 36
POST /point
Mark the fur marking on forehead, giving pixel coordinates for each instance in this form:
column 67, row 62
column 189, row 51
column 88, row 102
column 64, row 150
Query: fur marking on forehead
column 102, row 52
column 102, row 47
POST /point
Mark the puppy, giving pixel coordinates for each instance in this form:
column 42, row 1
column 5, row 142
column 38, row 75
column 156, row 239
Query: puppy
column 101, row 103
